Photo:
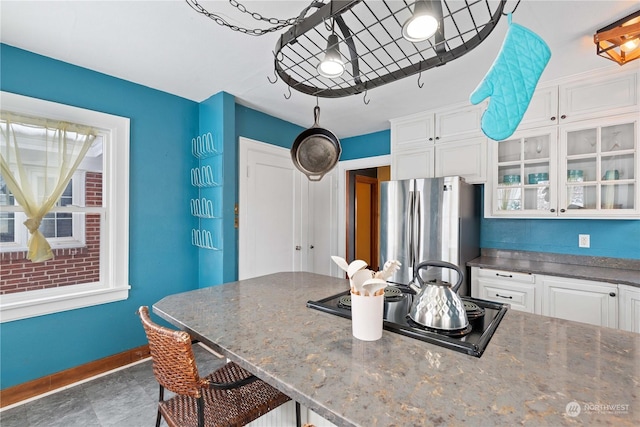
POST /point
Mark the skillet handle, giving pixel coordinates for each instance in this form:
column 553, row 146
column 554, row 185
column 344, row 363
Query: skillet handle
column 315, row 177
column 316, row 118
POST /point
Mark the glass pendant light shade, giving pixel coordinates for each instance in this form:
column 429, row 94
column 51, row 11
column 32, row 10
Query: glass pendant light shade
column 332, row 65
column 630, row 45
column 421, row 25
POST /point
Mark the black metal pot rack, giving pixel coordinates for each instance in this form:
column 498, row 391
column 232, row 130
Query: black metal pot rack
column 371, row 33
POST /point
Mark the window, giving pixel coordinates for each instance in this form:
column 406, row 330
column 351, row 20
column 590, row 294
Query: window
column 87, row 228
column 62, row 229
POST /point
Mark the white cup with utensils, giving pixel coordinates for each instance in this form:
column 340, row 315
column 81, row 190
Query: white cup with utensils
column 366, row 316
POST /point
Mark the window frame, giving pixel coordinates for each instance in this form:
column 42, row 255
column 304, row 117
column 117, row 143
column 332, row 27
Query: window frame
column 114, row 252
column 77, row 238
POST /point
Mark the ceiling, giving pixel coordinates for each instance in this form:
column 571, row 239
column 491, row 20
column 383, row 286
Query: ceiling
column 167, row 46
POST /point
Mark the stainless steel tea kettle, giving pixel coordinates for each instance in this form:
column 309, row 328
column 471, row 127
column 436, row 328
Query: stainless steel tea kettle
column 437, row 304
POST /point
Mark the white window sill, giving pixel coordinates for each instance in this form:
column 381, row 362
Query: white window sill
column 23, row 305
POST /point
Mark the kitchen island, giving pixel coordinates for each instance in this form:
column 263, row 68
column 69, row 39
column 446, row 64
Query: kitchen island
column 536, row 369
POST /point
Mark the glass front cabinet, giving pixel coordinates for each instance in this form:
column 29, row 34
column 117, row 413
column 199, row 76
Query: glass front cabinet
column 583, row 169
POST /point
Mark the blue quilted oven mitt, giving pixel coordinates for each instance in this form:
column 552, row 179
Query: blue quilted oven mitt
column 511, row 80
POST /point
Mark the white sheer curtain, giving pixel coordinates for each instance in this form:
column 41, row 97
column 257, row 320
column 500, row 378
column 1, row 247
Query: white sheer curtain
column 37, row 159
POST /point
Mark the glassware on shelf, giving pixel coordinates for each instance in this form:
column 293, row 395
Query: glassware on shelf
column 609, row 191
column 510, row 198
column 575, row 193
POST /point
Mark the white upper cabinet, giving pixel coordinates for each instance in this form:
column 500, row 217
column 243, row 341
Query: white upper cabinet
column 599, row 168
column 524, row 175
column 607, row 95
column 467, row 158
column 416, row 163
column 458, row 122
column 411, row 132
column 542, row 110
column 583, row 98
column 442, row 142
column 580, row 162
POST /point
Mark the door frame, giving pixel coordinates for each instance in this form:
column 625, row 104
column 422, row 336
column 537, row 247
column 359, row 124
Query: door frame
column 343, row 168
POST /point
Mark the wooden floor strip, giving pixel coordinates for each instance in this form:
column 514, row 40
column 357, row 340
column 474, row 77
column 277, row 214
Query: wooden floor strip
column 24, row 391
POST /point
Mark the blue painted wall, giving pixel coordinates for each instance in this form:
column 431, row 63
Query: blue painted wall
column 609, row 238
column 262, row 127
column 217, row 115
column 162, row 260
column 369, row 145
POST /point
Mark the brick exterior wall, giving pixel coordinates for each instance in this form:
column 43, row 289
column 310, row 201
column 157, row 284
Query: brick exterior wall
column 69, row 266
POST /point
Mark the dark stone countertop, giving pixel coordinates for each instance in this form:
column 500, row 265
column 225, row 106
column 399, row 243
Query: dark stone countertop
column 600, row 269
column 532, row 370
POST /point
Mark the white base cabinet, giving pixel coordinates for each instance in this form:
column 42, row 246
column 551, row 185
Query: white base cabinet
column 519, row 290
column 597, row 303
column 629, row 315
column 580, row 300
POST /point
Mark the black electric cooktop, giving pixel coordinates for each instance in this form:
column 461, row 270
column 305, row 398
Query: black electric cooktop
column 484, row 318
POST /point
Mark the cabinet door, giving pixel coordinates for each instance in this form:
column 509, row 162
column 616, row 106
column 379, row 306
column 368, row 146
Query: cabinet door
column 599, row 167
column 467, row 158
column 580, row 300
column 412, row 164
column 461, row 121
column 542, row 110
column 412, row 132
column 629, row 308
column 523, row 177
column 606, row 95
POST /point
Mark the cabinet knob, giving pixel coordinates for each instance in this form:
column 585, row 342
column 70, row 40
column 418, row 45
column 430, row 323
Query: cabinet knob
column 311, row 247
column 563, row 116
column 437, row 138
column 562, row 210
column 298, row 247
column 612, row 294
column 430, row 139
column 553, row 119
column 553, row 210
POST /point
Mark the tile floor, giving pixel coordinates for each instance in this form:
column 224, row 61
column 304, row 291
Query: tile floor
column 126, row 398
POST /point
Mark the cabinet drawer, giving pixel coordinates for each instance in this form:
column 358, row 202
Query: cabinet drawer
column 507, row 275
column 519, row 297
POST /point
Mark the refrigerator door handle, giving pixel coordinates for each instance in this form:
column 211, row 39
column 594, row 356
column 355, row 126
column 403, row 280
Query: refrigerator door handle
column 409, row 236
column 417, row 226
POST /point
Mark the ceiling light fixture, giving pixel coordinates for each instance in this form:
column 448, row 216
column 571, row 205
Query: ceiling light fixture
column 332, row 65
column 422, row 24
column 619, row 41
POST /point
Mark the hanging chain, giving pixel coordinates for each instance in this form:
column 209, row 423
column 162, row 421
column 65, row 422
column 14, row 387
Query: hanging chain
column 278, row 24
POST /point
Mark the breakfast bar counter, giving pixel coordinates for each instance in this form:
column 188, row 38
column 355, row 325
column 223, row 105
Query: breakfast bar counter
column 535, row 370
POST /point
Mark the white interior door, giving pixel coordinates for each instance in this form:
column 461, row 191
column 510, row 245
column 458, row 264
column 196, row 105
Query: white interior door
column 270, row 211
column 322, row 223
column 286, row 222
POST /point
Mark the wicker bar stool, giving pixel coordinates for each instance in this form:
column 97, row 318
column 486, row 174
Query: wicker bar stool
column 230, row 396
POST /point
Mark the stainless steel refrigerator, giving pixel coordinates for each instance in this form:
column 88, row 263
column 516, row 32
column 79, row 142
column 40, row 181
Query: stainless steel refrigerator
column 429, row 219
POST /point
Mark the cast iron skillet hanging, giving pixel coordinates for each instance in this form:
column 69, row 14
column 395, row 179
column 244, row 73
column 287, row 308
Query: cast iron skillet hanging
column 316, row 150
